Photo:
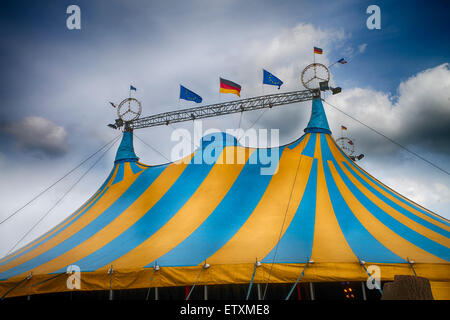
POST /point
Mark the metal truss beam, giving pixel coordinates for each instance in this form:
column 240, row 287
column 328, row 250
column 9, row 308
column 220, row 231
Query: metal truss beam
column 218, row 109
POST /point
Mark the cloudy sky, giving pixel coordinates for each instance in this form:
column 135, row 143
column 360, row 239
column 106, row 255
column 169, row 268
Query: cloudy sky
column 56, row 84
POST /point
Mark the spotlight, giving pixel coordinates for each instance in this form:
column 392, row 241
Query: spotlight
column 119, row 123
column 336, row 90
column 112, row 126
column 323, row 85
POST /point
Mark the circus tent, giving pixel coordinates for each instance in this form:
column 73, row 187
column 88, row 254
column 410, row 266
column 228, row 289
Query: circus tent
column 223, row 222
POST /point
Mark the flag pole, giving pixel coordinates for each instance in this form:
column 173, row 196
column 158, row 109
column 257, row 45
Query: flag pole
column 314, row 58
column 220, row 98
column 314, row 62
column 129, row 98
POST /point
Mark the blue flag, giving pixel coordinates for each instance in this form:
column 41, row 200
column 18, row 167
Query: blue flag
column 132, row 88
column 187, row 94
column 271, row 79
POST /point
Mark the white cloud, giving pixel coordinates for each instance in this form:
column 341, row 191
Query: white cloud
column 419, row 117
column 362, row 47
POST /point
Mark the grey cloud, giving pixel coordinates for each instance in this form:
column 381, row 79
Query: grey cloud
column 37, row 134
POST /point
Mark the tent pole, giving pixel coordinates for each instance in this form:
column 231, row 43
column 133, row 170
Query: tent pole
column 412, row 267
column 156, row 293
column 111, row 294
column 311, row 290
column 205, row 292
column 296, row 281
column 259, row 291
column 251, row 281
column 151, row 278
column 362, row 263
column 188, row 295
column 363, row 287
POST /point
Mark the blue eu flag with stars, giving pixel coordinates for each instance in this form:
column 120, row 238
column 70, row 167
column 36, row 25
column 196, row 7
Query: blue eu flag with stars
column 189, row 95
column 271, row 79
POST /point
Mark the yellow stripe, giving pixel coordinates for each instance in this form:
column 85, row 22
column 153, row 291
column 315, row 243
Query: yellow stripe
column 397, row 215
column 127, row 172
column 67, row 220
column 260, row 233
column 329, row 243
column 109, row 197
column 383, row 234
column 318, row 149
column 125, row 220
column 339, row 157
column 230, row 91
column 193, row 213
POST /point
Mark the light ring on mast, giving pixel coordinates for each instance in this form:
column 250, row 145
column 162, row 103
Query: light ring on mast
column 313, row 74
column 129, row 109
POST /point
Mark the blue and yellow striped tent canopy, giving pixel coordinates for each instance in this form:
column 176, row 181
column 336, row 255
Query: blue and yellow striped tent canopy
column 319, row 206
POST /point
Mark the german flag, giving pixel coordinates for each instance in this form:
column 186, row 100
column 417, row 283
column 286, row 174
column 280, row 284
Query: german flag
column 227, row 86
column 318, row 50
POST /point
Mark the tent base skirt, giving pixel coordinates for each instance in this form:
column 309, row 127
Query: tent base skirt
column 216, row 275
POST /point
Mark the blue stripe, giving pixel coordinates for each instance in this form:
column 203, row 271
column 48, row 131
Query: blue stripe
column 225, row 220
column 296, row 244
column 172, row 201
column 400, row 209
column 393, row 224
column 135, row 168
column 310, row 146
column 126, row 199
column 120, row 172
column 442, row 220
column 83, row 209
column 363, row 244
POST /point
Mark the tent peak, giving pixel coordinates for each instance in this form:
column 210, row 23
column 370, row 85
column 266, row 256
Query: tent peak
column 318, row 121
column 125, row 153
